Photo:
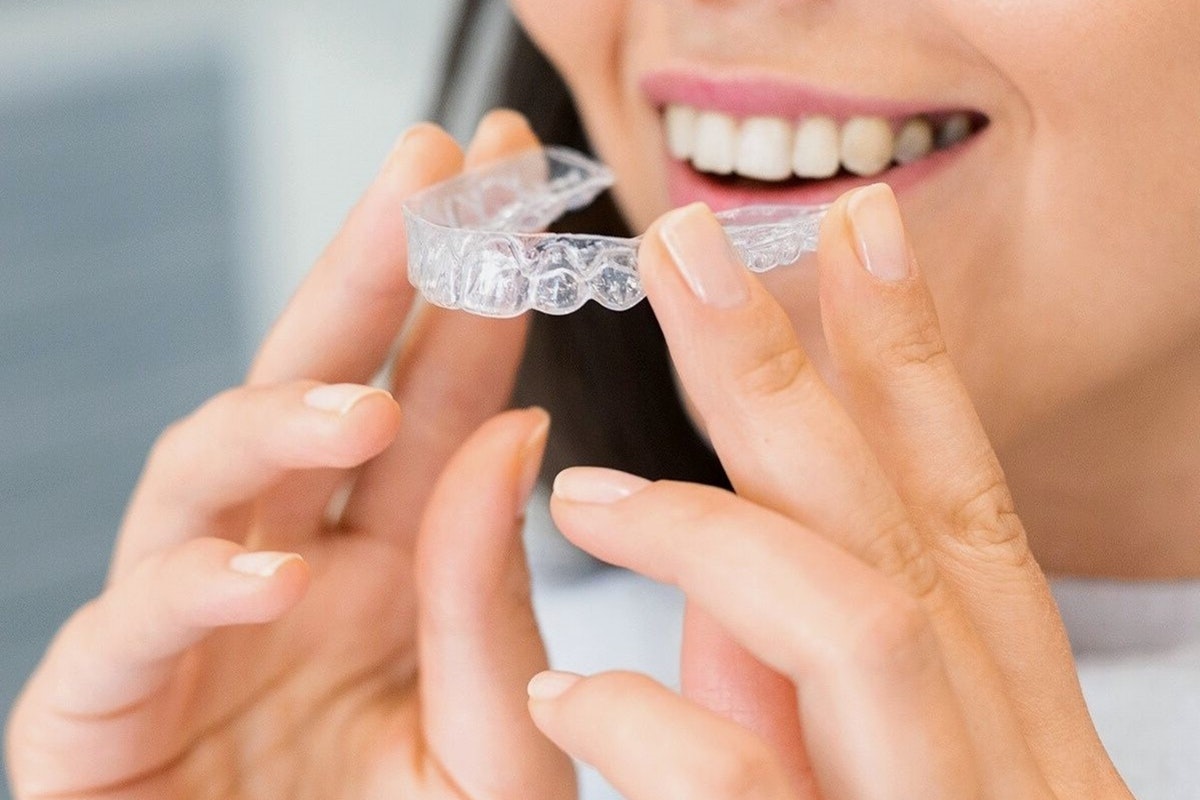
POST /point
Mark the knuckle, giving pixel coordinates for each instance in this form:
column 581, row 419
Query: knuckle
column 773, row 371
column 704, row 513
column 744, row 771
column 688, row 504
column 987, row 522
column 889, row 633
column 181, row 439
column 602, row 687
column 917, row 344
column 898, row 551
column 170, row 448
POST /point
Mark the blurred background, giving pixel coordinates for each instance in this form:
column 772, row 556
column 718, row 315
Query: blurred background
column 168, row 170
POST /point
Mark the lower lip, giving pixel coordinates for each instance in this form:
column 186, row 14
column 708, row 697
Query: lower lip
column 687, row 185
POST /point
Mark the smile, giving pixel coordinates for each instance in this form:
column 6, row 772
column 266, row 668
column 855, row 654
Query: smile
column 817, row 147
column 735, row 140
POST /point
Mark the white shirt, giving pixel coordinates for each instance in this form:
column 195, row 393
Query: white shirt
column 1137, row 648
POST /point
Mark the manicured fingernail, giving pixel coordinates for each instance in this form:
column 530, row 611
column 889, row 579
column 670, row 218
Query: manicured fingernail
column 879, row 231
column 261, row 565
column 704, row 257
column 339, row 398
column 550, row 685
column 531, row 460
column 596, row 485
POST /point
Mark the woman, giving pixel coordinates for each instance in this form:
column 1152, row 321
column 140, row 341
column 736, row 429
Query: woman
column 867, row 617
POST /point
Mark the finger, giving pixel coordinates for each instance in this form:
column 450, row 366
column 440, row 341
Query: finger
column 478, row 640
column 787, row 442
column 652, row 744
column 205, row 470
column 501, row 133
column 905, row 393
column 720, row 675
column 455, row 371
column 904, row 390
column 102, row 701
column 879, row 715
column 343, row 320
column 781, row 435
column 902, row 387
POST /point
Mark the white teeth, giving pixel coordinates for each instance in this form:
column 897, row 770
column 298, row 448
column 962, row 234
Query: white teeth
column 867, row 145
column 815, row 148
column 681, row 131
column 715, row 145
column 914, row 142
column 817, row 152
column 956, row 128
column 765, row 149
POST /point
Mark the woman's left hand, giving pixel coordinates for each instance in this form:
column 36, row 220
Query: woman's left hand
column 870, row 559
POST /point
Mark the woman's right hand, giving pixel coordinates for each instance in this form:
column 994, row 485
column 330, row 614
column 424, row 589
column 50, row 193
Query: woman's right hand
column 250, row 645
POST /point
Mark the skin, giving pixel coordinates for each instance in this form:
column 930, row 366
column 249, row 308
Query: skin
column 871, row 588
column 387, row 653
column 1068, row 314
column 880, row 629
column 1061, row 253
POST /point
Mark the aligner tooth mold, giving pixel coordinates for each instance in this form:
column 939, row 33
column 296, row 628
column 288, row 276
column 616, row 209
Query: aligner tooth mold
column 474, row 242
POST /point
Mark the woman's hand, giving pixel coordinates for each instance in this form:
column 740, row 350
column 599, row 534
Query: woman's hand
column 250, row 643
column 870, row 557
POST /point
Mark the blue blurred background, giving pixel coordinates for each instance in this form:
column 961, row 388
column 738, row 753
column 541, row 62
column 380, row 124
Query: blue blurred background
column 167, row 172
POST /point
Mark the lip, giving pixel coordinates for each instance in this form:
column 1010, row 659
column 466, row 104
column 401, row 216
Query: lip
column 749, row 95
column 764, row 95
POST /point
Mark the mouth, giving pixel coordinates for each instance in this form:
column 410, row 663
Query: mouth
column 741, row 141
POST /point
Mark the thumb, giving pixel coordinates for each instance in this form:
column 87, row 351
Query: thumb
column 478, row 640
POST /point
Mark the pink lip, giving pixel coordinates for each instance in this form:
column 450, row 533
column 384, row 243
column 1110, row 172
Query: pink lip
column 747, row 96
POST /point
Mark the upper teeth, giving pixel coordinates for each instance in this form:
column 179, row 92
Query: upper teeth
column 775, row 149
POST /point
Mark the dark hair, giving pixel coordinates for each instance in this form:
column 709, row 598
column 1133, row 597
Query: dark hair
column 604, row 376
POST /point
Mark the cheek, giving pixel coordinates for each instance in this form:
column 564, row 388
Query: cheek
column 573, row 34
column 1093, row 75
column 1091, row 144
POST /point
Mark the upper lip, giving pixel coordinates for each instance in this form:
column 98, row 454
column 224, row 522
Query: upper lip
column 748, row 95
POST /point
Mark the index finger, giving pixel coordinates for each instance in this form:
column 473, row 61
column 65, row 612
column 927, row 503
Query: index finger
column 781, row 434
column 782, row 438
column 344, row 318
column 789, row 445
column 906, row 394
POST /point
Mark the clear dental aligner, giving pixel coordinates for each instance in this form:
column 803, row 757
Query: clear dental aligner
column 473, row 242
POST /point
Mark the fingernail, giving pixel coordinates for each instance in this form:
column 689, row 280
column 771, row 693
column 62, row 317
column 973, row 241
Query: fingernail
column 261, row 565
column 879, row 231
column 596, row 485
column 704, row 257
column 339, row 398
column 550, row 685
column 531, row 460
